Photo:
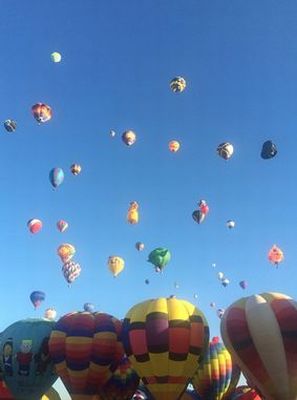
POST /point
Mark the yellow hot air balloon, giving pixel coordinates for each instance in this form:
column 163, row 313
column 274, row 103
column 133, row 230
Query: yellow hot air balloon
column 56, row 57
column 132, row 215
column 164, row 339
column 116, row 265
column 66, row 251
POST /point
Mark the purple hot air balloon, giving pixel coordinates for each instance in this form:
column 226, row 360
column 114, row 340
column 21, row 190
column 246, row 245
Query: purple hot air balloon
column 243, row 284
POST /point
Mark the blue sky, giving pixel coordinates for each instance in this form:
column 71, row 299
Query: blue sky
column 239, row 59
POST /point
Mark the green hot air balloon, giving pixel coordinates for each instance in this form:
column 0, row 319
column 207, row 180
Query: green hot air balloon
column 159, row 258
column 28, row 370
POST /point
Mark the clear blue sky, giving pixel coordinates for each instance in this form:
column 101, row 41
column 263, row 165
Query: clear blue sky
column 240, row 61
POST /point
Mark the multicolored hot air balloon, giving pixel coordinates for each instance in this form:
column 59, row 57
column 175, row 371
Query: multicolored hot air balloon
column 10, row 125
column 159, row 257
column 89, row 307
column 116, row 265
column 34, row 225
column 178, row 84
column 123, row 383
column 37, row 297
column 275, row 255
column 269, row 150
column 56, row 177
column 225, row 150
column 28, row 370
column 129, row 137
column 66, row 251
column 62, row 225
column 133, row 213
column 75, row 169
column 50, row 313
column 173, row 146
column 56, row 57
column 42, row 112
column 213, row 376
column 259, row 332
column 71, row 271
column 164, row 339
column 86, row 349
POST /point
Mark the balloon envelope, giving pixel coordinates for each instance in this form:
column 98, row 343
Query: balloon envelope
column 159, row 257
column 10, row 125
column 56, row 57
column 129, row 137
column 89, row 307
column 225, row 150
column 116, row 265
column 178, row 84
column 198, row 216
column 34, row 225
column 269, row 150
column 41, row 112
column 56, row 177
column 62, row 225
column 37, row 297
column 173, row 146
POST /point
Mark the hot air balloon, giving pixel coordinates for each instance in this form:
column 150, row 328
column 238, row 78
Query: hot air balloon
column 86, row 350
column 62, row 225
column 50, row 313
column 213, row 377
column 116, row 265
column 159, row 257
column 66, row 251
column 225, row 282
column 243, row 284
column 195, row 295
column 173, row 146
column 112, row 133
column 75, row 169
column 178, row 84
column 212, row 304
column 275, row 255
column 37, row 297
column 56, row 177
column 122, row 384
column 220, row 312
column 221, row 276
column 203, row 207
column 230, row 224
column 41, row 112
column 28, row 370
column 129, row 137
column 164, row 339
column 225, row 150
column 71, row 271
column 269, row 150
column 139, row 246
column 245, row 393
column 198, row 216
column 259, row 332
column 56, row 57
column 132, row 215
column 10, row 125
column 34, row 225
column 89, row 307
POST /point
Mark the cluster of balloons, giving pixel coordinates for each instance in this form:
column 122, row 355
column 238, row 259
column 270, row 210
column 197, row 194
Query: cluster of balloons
column 70, row 269
column 35, row 225
column 56, row 175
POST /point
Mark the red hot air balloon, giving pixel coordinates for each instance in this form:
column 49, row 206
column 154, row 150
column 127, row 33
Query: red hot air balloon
column 86, row 350
column 259, row 332
column 275, row 255
column 34, row 225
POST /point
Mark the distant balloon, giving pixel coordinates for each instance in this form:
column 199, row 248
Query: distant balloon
column 213, row 305
column 198, row 216
column 178, row 84
column 225, row 282
column 220, row 276
column 116, row 265
column 174, row 146
column 50, row 313
column 89, row 307
column 41, row 112
column 34, row 225
column 129, row 137
column 243, row 284
column 203, row 207
column 225, row 150
column 62, row 225
column 159, row 258
column 112, row 133
column 133, row 214
column 71, row 271
column 213, row 265
column 56, row 176
column 56, row 57
column 195, row 296
column 75, row 169
column 147, row 282
column 230, row 224
column 66, row 251
column 269, row 150
column 10, row 125
column 139, row 246
column 275, row 255
column 37, row 297
column 220, row 312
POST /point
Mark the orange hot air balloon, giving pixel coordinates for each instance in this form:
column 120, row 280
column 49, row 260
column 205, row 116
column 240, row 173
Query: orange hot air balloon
column 129, row 137
column 164, row 339
column 173, row 146
column 86, row 350
column 259, row 332
column 66, row 251
column 275, row 255
column 42, row 112
column 132, row 215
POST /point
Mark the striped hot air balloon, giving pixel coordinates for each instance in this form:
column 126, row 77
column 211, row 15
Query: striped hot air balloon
column 86, row 350
column 213, row 376
column 260, row 333
column 164, row 339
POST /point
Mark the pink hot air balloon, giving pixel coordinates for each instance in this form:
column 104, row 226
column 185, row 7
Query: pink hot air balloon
column 62, row 225
column 34, row 225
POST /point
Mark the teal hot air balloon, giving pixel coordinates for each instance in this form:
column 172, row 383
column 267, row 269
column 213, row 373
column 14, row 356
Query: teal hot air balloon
column 159, row 258
column 56, row 176
column 28, row 370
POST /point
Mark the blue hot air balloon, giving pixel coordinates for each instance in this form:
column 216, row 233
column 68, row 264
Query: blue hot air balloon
column 89, row 307
column 37, row 297
column 56, row 176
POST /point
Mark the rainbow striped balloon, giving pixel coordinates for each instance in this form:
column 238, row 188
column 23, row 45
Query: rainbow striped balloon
column 260, row 332
column 164, row 339
column 86, row 350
